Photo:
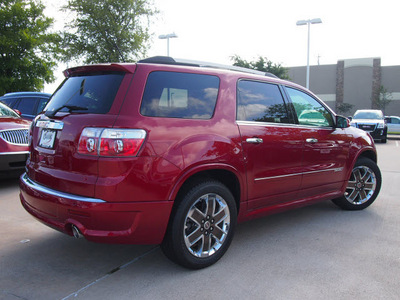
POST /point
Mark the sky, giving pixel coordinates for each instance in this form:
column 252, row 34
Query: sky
column 215, row 30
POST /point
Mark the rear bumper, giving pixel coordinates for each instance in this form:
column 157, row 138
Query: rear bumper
column 97, row 220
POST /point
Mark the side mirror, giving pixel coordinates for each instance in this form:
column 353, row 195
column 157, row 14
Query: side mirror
column 18, row 112
column 342, row 122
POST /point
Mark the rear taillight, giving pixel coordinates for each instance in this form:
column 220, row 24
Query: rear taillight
column 111, row 142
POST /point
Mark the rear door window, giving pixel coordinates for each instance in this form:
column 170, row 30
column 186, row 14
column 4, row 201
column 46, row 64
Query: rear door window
column 86, row 94
column 180, row 95
column 26, row 105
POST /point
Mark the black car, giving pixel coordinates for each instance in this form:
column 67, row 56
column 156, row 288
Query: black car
column 28, row 103
column 372, row 121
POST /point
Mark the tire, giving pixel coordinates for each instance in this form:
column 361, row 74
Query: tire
column 363, row 186
column 202, row 226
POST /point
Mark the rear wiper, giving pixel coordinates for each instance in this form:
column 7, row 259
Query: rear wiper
column 69, row 107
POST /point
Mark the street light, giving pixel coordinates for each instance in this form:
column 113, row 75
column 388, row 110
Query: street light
column 167, row 36
column 308, row 22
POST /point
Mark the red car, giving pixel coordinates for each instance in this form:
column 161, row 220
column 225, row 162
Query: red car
column 13, row 142
column 176, row 153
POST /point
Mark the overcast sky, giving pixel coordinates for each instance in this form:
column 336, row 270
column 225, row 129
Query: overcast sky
column 214, row 30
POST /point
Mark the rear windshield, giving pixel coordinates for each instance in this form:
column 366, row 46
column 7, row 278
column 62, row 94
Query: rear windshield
column 180, row 95
column 86, row 94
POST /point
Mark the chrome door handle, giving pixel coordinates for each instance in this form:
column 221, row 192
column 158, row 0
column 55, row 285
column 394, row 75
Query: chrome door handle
column 254, row 140
column 311, row 141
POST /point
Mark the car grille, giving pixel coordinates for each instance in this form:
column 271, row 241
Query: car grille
column 15, row 136
column 367, row 127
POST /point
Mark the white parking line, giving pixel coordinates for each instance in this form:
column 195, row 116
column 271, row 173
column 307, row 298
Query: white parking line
column 397, row 143
column 75, row 294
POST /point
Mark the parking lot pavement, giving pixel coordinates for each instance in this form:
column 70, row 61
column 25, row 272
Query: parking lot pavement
column 310, row 253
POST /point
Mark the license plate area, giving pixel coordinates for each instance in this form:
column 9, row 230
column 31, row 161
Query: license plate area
column 47, row 138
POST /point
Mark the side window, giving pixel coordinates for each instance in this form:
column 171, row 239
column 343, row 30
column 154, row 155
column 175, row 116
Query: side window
column 395, row 121
column 9, row 102
column 180, row 95
column 260, row 102
column 41, row 105
column 26, row 105
column 309, row 111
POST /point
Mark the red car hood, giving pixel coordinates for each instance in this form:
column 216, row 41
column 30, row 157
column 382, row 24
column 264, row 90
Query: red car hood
column 13, row 123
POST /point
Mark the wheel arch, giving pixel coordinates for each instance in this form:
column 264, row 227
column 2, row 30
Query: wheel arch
column 222, row 173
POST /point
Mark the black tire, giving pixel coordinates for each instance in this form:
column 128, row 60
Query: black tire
column 363, row 186
column 199, row 234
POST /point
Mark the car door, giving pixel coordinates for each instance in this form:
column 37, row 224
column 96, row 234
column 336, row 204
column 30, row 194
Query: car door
column 393, row 124
column 326, row 147
column 271, row 144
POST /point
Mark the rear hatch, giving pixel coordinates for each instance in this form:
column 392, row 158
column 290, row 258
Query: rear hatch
column 90, row 97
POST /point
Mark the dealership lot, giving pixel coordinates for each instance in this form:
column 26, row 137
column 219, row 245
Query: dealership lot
column 310, row 253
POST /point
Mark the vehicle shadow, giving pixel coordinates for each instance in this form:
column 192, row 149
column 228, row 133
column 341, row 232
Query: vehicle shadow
column 73, row 267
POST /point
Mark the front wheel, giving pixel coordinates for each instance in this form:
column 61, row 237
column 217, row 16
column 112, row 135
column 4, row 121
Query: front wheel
column 363, row 186
column 202, row 226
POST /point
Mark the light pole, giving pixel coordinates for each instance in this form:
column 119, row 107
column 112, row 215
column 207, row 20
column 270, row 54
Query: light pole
column 167, row 36
column 308, row 23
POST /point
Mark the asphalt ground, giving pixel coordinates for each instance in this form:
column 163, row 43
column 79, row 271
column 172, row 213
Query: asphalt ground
column 316, row 252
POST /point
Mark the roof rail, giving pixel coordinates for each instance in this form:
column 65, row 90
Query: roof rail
column 194, row 63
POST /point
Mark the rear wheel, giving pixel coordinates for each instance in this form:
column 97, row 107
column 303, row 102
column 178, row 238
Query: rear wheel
column 363, row 186
column 202, row 227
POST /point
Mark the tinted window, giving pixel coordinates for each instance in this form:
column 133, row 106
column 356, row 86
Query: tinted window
column 42, row 103
column 88, row 94
column 10, row 102
column 309, row 111
column 261, row 102
column 26, row 105
column 180, row 95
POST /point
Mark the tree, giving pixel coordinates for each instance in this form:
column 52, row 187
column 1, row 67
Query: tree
column 28, row 51
column 107, row 30
column 383, row 99
column 344, row 108
column 262, row 64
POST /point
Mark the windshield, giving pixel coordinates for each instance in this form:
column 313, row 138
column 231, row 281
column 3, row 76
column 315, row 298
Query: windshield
column 373, row 115
column 7, row 112
column 86, row 94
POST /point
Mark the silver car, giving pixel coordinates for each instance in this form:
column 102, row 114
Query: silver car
column 393, row 124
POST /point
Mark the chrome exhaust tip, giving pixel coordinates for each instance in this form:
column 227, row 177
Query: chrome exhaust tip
column 76, row 232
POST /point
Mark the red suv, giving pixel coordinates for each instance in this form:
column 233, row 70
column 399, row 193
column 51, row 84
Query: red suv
column 176, row 153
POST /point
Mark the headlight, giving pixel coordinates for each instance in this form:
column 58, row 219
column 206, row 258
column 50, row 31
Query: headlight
column 381, row 125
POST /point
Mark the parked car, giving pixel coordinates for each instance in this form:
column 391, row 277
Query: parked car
column 13, row 142
column 393, row 124
column 176, row 153
column 372, row 121
column 28, row 103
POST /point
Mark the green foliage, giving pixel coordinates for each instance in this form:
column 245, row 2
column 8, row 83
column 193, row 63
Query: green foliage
column 27, row 50
column 344, row 108
column 262, row 64
column 107, row 30
column 384, row 99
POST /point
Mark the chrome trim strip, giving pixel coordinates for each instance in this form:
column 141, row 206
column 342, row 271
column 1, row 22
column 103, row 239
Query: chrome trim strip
column 14, row 153
column 42, row 189
column 57, row 125
column 296, row 174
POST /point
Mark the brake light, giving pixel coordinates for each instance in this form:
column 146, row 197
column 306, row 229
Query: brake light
column 111, row 142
